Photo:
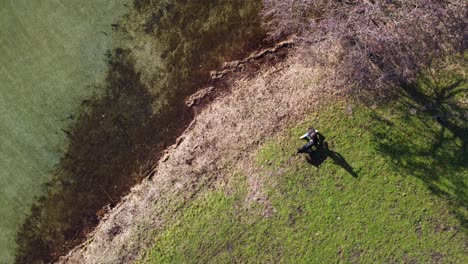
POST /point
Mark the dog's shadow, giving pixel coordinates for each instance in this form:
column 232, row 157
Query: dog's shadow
column 317, row 155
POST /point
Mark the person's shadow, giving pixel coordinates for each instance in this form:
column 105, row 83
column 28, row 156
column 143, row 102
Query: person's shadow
column 317, row 155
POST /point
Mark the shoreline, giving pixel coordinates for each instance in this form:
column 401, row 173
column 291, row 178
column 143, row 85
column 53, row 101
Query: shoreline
column 118, row 135
column 252, row 63
column 222, row 87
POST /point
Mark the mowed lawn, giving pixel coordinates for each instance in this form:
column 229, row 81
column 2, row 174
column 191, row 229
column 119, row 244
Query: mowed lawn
column 393, row 189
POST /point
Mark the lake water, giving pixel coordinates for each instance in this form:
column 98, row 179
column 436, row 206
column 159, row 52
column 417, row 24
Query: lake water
column 52, row 53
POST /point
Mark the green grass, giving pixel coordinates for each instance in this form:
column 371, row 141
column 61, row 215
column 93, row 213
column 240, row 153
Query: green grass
column 393, row 189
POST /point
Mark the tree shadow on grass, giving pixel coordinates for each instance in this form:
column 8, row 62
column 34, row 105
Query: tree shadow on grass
column 429, row 137
column 318, row 155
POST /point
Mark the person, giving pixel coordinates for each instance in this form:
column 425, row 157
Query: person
column 312, row 137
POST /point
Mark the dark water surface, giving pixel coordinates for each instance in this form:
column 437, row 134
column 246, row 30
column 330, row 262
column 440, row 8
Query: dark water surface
column 166, row 51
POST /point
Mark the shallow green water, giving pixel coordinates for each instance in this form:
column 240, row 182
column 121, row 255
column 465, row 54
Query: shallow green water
column 51, row 53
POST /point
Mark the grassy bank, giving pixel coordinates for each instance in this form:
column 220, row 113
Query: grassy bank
column 391, row 189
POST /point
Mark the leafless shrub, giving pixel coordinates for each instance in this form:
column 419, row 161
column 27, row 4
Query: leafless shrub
column 383, row 43
column 291, row 16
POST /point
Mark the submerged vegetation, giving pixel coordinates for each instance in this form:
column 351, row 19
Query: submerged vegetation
column 392, row 189
column 119, row 133
column 106, row 142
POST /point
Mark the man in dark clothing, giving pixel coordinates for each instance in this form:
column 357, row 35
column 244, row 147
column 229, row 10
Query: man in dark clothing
column 312, row 137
